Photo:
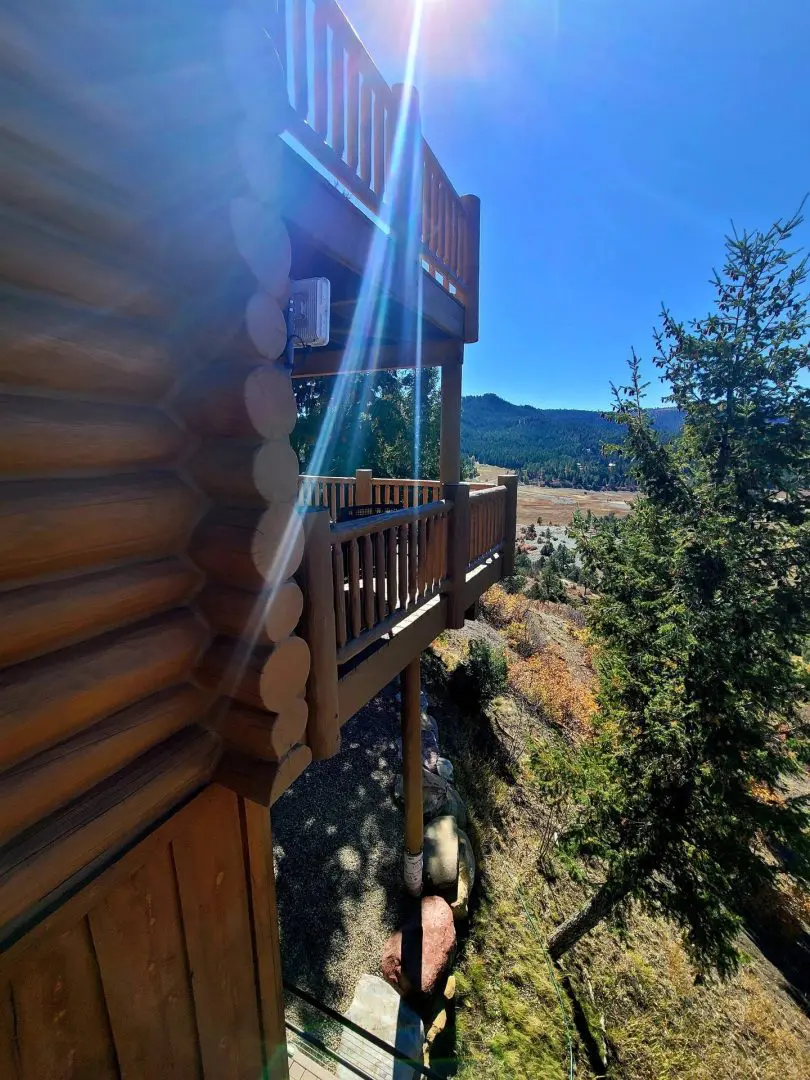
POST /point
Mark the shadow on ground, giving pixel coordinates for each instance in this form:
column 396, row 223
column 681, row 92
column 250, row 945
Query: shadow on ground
column 338, row 836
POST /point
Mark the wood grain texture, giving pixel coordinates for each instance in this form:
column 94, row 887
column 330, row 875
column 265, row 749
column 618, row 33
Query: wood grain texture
column 260, row 678
column 246, row 549
column 39, row 437
column 246, row 472
column 46, row 700
column 49, row 346
column 259, row 848
column 212, row 882
column 47, row 781
column 285, row 672
column 62, row 1029
column 138, row 935
column 251, row 616
column 48, row 527
column 255, row 733
column 38, row 867
column 262, row 782
column 9, row 1055
column 227, row 400
column 41, row 618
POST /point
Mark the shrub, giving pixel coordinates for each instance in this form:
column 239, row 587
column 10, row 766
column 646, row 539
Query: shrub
column 479, row 678
column 515, row 584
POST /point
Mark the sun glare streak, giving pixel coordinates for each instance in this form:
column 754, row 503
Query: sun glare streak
column 371, row 312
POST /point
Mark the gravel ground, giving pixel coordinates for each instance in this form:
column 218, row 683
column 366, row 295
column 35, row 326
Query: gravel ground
column 338, row 837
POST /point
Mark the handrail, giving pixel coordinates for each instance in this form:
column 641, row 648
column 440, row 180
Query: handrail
column 383, row 569
column 337, row 492
column 488, row 520
column 343, row 112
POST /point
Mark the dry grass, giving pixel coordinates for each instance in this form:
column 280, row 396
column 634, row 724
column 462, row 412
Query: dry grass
column 556, row 505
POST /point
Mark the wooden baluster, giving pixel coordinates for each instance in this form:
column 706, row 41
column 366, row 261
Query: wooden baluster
column 423, row 558
column 365, row 132
column 353, row 113
column 392, row 569
column 403, row 566
column 354, row 588
column 379, row 143
column 333, row 501
column 340, row 594
column 338, row 94
column 321, row 71
column 379, row 541
column 413, row 561
column 434, row 210
column 368, row 581
column 299, row 51
column 425, row 202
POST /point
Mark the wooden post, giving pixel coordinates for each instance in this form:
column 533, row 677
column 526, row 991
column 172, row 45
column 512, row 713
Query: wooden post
column 362, row 491
column 450, row 450
column 412, row 776
column 458, row 546
column 318, row 630
column 472, row 246
column 404, row 188
column 510, row 525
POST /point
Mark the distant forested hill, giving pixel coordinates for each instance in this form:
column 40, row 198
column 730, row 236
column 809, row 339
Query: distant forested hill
column 550, row 446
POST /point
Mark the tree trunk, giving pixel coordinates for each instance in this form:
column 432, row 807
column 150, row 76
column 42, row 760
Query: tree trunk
column 595, row 911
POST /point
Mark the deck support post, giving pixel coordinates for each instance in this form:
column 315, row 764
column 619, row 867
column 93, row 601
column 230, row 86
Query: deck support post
column 450, row 447
column 412, row 775
column 363, row 479
column 458, row 549
column 471, row 269
column 318, row 629
column 510, row 524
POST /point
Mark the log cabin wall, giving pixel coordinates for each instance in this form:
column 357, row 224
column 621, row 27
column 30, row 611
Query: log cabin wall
column 148, row 537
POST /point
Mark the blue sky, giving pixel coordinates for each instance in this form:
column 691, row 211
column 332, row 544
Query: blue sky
column 611, row 142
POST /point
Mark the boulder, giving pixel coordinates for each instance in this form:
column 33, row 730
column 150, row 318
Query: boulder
column 445, row 769
column 466, row 877
column 439, row 796
column 449, row 992
column 378, row 1008
column 441, row 853
column 437, row 1027
column 417, row 958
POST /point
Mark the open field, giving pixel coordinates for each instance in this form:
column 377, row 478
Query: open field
column 556, row 506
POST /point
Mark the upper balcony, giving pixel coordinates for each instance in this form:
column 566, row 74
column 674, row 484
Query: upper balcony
column 368, row 204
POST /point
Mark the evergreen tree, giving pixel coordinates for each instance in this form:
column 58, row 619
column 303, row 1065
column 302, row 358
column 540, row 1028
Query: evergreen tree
column 704, row 601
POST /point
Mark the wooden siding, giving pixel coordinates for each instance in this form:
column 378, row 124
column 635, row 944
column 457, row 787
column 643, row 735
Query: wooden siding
column 166, row 966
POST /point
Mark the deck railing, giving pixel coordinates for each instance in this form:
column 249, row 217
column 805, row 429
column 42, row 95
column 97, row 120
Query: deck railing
column 338, row 492
column 345, row 114
column 487, row 523
column 333, row 492
column 383, row 569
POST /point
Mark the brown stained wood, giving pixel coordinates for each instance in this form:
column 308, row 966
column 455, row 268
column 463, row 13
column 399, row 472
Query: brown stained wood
column 51, row 526
column 62, row 1028
column 318, row 631
column 9, row 1057
column 252, row 616
column 285, row 673
column 43, row 783
column 46, row 346
column 228, row 400
column 424, row 559
column 391, row 540
column 234, row 670
column 212, row 883
column 413, row 561
column 64, row 264
column 249, row 473
column 300, row 58
column 338, row 583
column 243, row 548
column 379, row 552
column 46, row 700
column 470, row 268
column 45, row 861
column 262, row 782
column 138, row 936
column 354, row 588
column 41, row 437
column 266, row 947
column 41, row 618
column 403, row 566
column 412, row 756
column 379, row 141
column 256, row 733
column 368, row 581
